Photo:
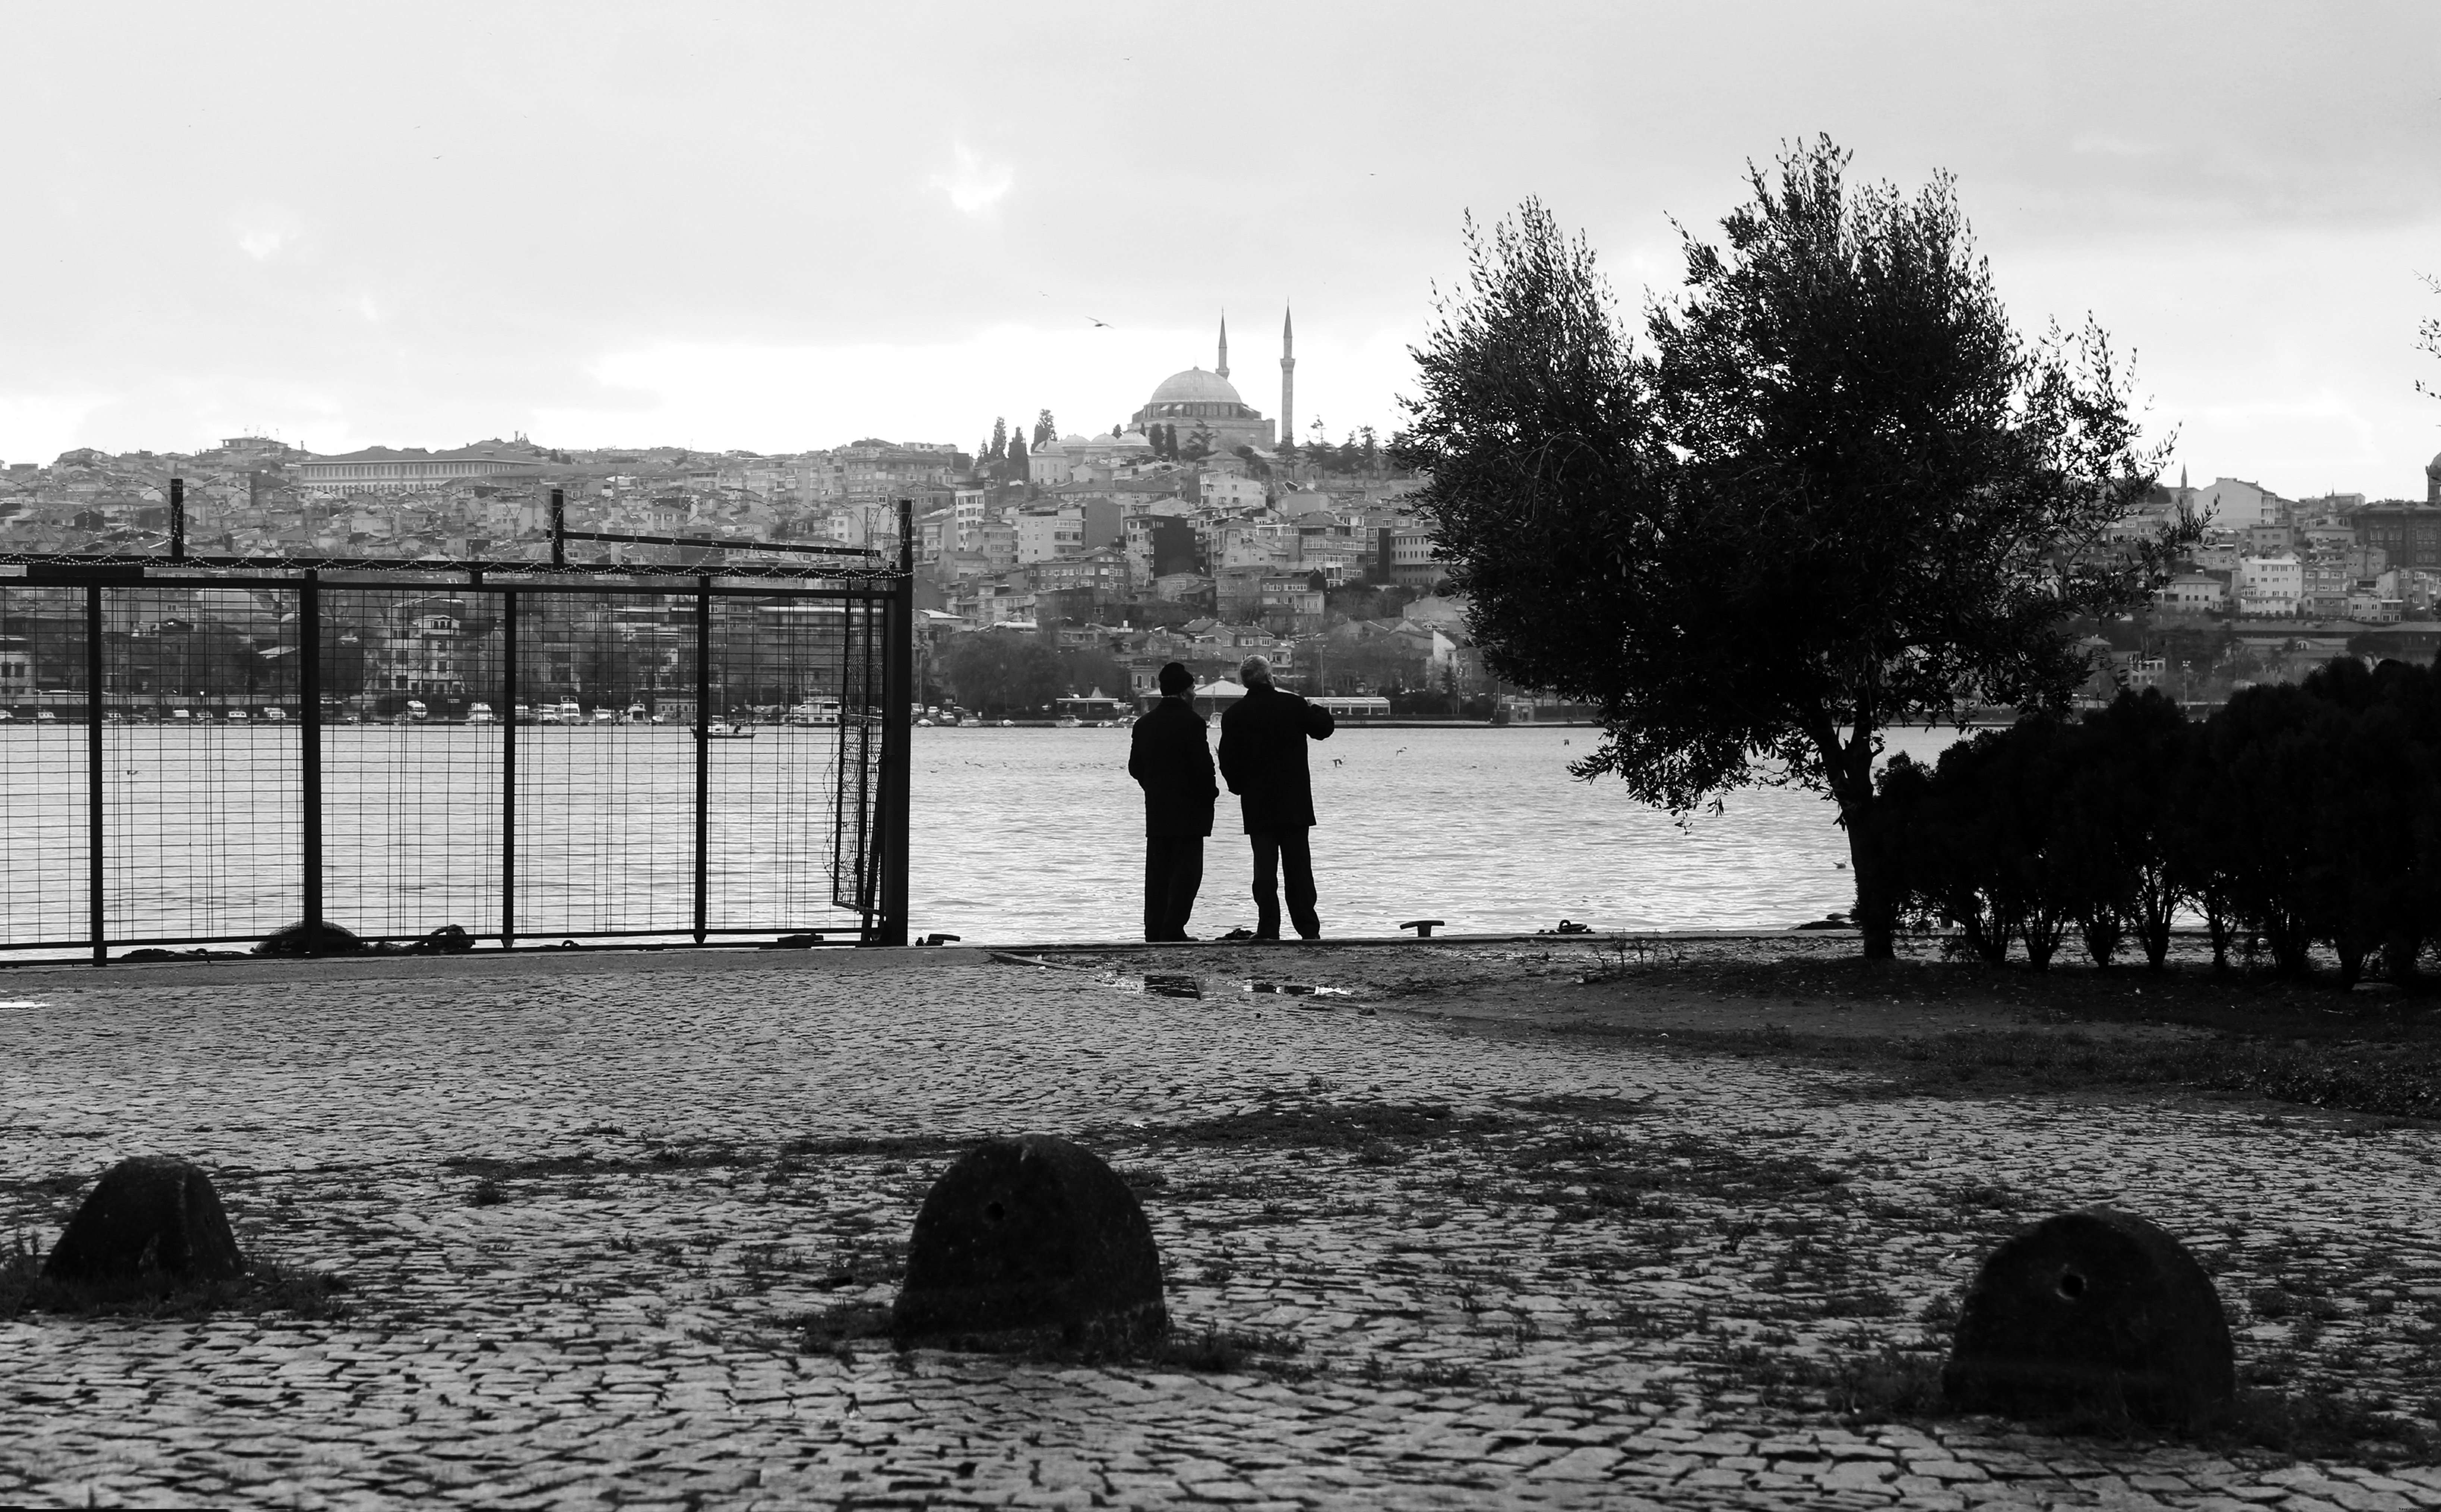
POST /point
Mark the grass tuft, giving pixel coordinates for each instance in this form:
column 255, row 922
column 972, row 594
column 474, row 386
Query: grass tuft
column 264, row 1287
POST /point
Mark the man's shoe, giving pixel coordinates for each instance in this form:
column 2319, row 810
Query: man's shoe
column 1239, row 934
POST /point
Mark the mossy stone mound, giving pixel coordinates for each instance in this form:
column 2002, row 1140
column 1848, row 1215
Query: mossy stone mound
column 2096, row 1313
column 1032, row 1235
column 301, row 939
column 148, row 1215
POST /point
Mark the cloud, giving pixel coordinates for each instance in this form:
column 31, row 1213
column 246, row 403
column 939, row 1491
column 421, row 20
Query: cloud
column 260, row 244
column 35, row 428
column 975, row 185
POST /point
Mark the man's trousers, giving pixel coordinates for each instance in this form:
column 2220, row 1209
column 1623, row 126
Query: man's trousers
column 1173, row 872
column 1274, row 851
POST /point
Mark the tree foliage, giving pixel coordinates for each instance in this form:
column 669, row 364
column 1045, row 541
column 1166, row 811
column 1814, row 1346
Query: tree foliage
column 1834, row 491
column 1002, row 672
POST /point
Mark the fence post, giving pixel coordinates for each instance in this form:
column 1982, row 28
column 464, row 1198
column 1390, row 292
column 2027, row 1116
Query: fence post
column 702, row 755
column 558, row 528
column 309, row 720
column 509, row 769
column 93, row 767
column 897, row 731
column 177, row 519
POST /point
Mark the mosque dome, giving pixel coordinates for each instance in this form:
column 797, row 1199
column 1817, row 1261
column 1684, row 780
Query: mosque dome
column 1195, row 387
column 2431, row 469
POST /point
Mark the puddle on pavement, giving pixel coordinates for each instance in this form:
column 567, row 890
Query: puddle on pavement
column 1180, row 984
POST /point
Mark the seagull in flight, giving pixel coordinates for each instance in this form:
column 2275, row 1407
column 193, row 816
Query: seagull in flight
column 1104, row 324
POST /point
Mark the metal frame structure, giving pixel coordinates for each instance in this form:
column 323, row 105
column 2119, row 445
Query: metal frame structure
column 870, row 806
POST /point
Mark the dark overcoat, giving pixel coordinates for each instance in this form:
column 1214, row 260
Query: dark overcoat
column 1262, row 758
column 1167, row 757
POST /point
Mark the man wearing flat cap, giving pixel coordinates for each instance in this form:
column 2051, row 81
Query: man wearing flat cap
column 1262, row 759
column 1167, row 757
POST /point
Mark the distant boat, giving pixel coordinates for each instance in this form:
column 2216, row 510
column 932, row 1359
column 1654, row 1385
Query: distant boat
column 275, row 716
column 1068, row 722
column 235, row 716
column 481, row 714
column 415, row 714
column 723, row 730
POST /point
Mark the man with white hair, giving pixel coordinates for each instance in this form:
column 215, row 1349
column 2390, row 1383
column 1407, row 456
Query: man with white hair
column 1262, row 759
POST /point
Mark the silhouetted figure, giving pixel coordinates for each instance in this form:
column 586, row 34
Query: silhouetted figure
column 1262, row 759
column 1169, row 759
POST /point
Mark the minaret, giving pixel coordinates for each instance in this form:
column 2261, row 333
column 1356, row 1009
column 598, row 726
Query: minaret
column 1288, row 378
column 1223, row 369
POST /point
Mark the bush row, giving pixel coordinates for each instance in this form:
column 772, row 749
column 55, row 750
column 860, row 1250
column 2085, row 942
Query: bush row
column 2298, row 814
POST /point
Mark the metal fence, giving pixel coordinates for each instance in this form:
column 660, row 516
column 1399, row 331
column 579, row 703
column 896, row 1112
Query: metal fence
column 200, row 753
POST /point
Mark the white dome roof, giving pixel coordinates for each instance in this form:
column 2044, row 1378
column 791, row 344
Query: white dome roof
column 1195, row 387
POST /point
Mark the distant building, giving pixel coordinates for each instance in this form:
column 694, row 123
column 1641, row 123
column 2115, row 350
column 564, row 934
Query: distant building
column 1045, row 535
column 2409, row 535
column 2235, row 504
column 2270, row 586
column 1196, row 401
column 1413, row 558
column 385, row 470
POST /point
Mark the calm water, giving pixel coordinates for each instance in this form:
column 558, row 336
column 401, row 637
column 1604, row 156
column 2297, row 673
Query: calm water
column 1019, row 834
column 1037, row 835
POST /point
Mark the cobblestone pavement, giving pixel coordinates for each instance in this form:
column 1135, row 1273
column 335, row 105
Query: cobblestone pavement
column 1464, row 1265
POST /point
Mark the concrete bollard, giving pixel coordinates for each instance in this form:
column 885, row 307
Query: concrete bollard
column 148, row 1215
column 2094, row 1311
column 1031, row 1235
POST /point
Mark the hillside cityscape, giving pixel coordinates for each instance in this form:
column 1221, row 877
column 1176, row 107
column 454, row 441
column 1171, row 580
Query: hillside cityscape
column 1193, row 530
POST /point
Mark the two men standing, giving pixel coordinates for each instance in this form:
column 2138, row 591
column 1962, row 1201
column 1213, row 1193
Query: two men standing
column 1262, row 759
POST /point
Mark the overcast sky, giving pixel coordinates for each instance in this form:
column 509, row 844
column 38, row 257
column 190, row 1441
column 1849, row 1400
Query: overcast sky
column 788, row 225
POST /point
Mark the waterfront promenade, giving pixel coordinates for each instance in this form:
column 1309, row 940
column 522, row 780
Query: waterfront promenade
column 1459, row 1239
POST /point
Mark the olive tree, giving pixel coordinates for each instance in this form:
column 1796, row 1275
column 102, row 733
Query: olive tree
column 1831, row 490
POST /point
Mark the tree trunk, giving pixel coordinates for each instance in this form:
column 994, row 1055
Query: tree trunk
column 1877, row 879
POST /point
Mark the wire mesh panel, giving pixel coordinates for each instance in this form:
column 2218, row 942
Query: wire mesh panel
column 606, row 763
column 411, row 753
column 770, row 748
column 45, row 896
column 200, row 735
